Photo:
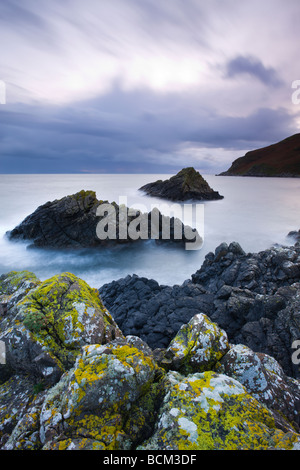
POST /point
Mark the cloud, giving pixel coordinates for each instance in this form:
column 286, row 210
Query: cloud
column 137, row 131
column 255, row 68
column 142, row 85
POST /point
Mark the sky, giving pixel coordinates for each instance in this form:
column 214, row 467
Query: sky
column 141, row 86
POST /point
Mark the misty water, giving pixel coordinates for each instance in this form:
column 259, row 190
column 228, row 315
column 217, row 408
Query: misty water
column 256, row 212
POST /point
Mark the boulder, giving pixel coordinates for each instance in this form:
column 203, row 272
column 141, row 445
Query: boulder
column 265, row 380
column 188, row 184
column 254, row 297
column 105, row 391
column 51, row 324
column 81, row 221
column 88, row 408
column 197, row 347
column 210, row 411
column 142, row 307
column 294, row 235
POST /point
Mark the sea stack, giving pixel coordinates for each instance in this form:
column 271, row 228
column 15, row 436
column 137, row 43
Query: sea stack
column 188, row 184
column 81, row 221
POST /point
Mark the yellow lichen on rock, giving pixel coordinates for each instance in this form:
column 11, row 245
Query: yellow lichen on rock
column 212, row 411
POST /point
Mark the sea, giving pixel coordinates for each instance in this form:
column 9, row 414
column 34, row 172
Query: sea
column 255, row 212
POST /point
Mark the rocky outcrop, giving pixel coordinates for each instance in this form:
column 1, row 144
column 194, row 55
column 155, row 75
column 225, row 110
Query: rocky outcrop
column 254, row 297
column 73, row 223
column 277, row 160
column 294, row 236
column 44, row 330
column 114, row 392
column 188, row 184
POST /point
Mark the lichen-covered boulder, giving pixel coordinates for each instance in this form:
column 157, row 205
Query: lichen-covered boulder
column 52, row 323
column 264, row 378
column 16, row 396
column 26, row 433
column 13, row 287
column 198, row 346
column 89, row 407
column 210, row 411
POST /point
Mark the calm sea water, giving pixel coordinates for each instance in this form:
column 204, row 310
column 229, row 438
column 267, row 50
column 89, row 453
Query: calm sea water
column 256, row 212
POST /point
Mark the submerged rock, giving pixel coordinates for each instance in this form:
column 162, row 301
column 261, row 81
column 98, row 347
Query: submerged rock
column 188, row 184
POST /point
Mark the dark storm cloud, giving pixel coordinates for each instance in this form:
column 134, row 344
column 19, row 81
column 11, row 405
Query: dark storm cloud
column 134, row 132
column 255, row 68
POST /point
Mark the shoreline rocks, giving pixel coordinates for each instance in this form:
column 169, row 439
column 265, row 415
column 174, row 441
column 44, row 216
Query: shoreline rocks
column 254, row 297
column 76, row 378
column 187, row 185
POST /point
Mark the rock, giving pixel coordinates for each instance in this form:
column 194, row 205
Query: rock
column 88, row 408
column 254, row 297
column 141, row 307
column 265, row 380
column 115, row 393
column 209, row 411
column 16, row 395
column 294, row 235
column 52, row 323
column 198, row 346
column 188, row 184
column 82, row 221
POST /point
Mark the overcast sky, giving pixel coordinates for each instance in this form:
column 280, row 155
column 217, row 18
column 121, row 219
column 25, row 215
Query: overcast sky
column 135, row 86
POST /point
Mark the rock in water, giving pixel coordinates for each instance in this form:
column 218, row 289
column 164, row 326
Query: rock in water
column 73, row 222
column 188, row 184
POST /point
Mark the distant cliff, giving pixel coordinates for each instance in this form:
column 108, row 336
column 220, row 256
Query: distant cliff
column 277, row 160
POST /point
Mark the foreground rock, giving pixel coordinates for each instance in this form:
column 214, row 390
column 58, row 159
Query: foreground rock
column 210, row 411
column 82, row 221
column 254, row 297
column 116, row 393
column 188, row 184
column 44, row 331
